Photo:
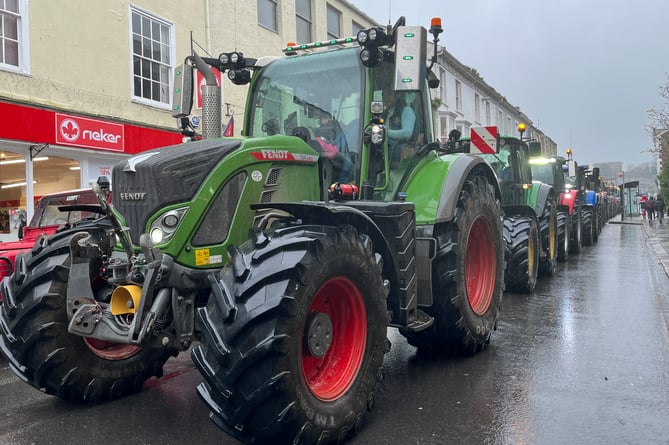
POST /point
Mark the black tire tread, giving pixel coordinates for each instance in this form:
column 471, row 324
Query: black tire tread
column 457, row 330
column 246, row 358
column 33, row 324
column 518, row 230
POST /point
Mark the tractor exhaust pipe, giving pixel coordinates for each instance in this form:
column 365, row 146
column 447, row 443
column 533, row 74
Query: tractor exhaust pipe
column 211, row 100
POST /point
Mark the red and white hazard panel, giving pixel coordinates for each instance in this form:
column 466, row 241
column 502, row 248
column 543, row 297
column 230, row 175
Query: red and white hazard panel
column 484, row 140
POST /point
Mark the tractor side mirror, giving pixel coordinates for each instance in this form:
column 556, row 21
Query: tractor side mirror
column 182, row 103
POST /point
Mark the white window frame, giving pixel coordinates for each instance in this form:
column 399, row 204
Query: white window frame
column 477, row 107
column 487, row 112
column 299, row 17
column 337, row 12
column 170, row 65
column 275, row 4
column 356, row 27
column 23, row 66
column 443, row 94
column 458, row 96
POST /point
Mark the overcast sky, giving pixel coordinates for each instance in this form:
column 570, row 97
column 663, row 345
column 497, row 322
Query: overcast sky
column 585, row 71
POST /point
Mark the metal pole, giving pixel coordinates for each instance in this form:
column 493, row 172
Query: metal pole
column 622, row 218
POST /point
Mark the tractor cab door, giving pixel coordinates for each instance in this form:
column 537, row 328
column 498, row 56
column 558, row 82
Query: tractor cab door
column 515, row 175
column 408, row 128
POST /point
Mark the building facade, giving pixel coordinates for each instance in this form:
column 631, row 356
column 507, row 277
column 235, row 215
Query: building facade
column 465, row 100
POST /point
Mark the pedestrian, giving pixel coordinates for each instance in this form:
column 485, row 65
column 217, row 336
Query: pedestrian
column 22, row 225
column 659, row 208
column 649, row 208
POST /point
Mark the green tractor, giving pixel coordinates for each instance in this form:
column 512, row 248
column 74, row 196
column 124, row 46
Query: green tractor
column 281, row 256
column 529, row 207
column 549, row 170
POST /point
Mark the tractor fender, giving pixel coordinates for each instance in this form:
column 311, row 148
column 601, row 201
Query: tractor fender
column 590, row 197
column 456, row 170
column 518, row 210
column 338, row 213
column 563, row 208
column 570, row 200
column 542, row 193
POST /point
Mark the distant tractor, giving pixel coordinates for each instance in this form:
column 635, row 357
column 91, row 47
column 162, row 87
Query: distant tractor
column 529, row 208
column 549, row 171
column 574, row 199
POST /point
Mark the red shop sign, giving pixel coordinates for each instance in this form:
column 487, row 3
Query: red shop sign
column 91, row 133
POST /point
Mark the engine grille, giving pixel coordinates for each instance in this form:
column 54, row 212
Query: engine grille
column 151, row 180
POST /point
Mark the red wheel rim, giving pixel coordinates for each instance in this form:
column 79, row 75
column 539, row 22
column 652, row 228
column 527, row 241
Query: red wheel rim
column 331, row 375
column 480, row 265
column 110, row 351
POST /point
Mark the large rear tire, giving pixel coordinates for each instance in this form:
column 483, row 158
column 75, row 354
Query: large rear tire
column 33, row 321
column 522, row 264
column 293, row 336
column 468, row 275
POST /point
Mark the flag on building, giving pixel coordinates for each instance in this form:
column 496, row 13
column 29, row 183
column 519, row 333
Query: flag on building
column 229, row 128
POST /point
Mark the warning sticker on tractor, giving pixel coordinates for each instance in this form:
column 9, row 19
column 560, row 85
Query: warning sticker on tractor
column 202, row 257
column 484, row 140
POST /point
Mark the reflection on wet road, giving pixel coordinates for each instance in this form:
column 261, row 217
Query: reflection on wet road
column 585, row 359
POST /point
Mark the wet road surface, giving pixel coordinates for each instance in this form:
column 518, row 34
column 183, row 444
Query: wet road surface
column 584, row 359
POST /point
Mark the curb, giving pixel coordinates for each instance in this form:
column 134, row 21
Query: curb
column 660, row 251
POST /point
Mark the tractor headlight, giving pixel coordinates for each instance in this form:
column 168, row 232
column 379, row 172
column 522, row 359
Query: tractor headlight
column 362, row 37
column 239, row 77
column 371, row 40
column 163, row 228
column 224, row 59
column 156, row 235
column 231, row 61
column 378, row 132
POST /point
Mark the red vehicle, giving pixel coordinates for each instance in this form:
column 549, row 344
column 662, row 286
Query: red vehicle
column 53, row 211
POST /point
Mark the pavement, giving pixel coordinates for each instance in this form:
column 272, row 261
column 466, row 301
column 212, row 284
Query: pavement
column 657, row 233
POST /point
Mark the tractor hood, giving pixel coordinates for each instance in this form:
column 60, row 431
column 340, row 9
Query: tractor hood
column 154, row 179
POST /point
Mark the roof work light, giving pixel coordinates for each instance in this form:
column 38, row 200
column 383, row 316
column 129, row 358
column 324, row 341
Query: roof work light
column 370, row 40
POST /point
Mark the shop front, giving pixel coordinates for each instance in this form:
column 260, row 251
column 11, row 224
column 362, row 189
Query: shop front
column 44, row 151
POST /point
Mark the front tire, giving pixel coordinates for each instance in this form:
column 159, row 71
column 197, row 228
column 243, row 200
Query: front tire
column 468, row 275
column 576, row 239
column 293, row 336
column 35, row 339
column 588, row 227
column 549, row 239
column 522, row 266
column 564, row 233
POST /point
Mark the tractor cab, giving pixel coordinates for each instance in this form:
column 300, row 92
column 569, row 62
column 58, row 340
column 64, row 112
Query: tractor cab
column 511, row 165
column 362, row 104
